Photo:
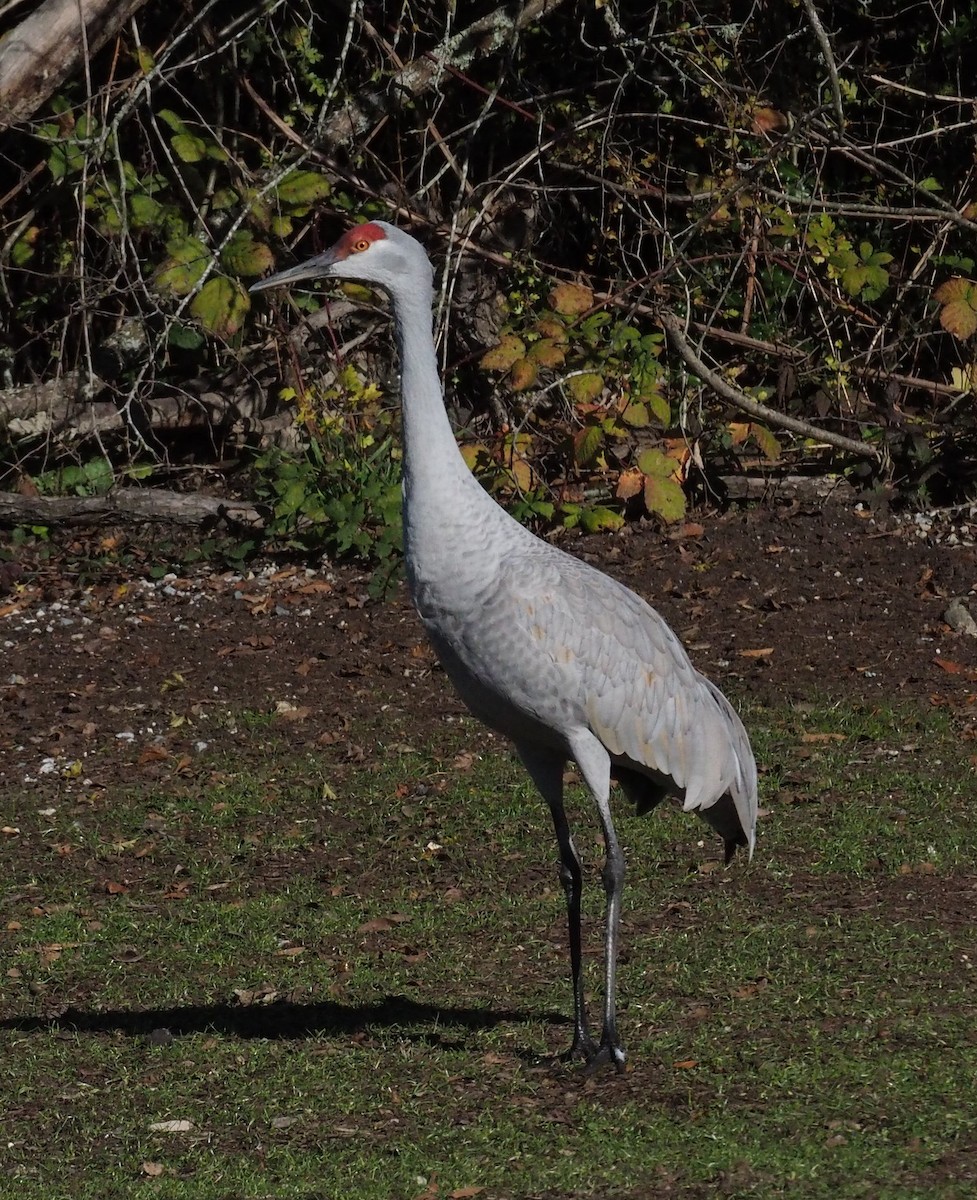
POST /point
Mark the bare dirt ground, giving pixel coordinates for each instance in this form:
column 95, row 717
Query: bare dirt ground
column 111, row 676
column 776, row 604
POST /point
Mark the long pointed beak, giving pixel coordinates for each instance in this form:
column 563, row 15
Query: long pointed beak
column 314, row 268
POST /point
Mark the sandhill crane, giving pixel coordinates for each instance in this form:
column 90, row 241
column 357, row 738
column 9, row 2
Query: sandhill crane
column 565, row 661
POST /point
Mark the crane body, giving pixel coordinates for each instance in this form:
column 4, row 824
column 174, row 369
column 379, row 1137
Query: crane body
column 560, row 658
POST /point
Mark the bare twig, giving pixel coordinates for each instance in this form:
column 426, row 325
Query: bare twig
column 829, row 59
column 674, row 327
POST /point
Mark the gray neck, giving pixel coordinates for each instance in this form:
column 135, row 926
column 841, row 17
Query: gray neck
column 432, row 460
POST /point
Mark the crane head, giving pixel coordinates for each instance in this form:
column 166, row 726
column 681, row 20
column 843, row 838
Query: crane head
column 375, row 253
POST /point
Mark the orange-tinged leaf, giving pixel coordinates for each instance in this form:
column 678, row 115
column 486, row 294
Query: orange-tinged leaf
column 955, row 668
column 552, row 329
column 685, row 1064
column 764, row 653
column 115, row 889
column 959, row 319
column 766, row 120
column 523, row 374
column 465, row 1193
column 953, row 289
column 571, row 299
column 501, row 357
column 816, row 739
column 629, row 484
column 153, row 754
column 739, row 431
column 768, row 444
column 958, row 315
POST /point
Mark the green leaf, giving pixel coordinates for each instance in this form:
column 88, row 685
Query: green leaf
column 598, row 517
column 221, row 306
column 185, row 337
column 303, row 188
column 144, row 211
column 180, row 273
column 654, row 463
column 144, row 57
column 548, row 353
column 244, row 256
column 637, row 415
column 188, row 147
column 664, row 497
column 170, row 118
column 586, row 444
column 854, row 278
column 585, row 388
column 661, row 409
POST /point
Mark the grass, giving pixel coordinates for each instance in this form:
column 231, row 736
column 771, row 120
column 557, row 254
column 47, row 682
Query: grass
column 347, row 980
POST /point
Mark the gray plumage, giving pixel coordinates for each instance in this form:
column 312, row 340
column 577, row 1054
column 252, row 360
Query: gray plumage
column 562, row 659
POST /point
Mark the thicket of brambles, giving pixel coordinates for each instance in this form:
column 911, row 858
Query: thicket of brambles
column 678, row 247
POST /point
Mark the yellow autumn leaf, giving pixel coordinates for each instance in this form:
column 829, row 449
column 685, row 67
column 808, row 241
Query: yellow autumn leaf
column 571, row 299
column 523, row 374
column 501, row 357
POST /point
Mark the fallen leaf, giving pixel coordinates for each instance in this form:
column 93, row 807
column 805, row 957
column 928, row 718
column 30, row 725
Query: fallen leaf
column 152, row 1169
column 818, row 739
column 153, row 754
column 764, row 653
column 171, row 1127
column 115, row 889
column 377, row 925
column 686, row 1064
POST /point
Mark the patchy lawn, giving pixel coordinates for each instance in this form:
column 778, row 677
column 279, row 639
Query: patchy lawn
column 279, row 920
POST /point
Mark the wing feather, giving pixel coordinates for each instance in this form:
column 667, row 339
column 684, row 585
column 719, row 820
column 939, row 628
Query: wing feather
column 638, row 691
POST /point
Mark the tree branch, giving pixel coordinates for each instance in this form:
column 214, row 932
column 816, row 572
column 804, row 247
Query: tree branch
column 483, row 36
column 675, row 330
column 47, row 48
column 135, row 505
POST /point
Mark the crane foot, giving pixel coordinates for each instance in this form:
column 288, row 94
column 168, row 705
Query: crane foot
column 605, row 1055
column 583, row 1046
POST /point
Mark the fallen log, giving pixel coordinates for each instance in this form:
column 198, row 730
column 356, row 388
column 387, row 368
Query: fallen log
column 49, row 46
column 130, row 505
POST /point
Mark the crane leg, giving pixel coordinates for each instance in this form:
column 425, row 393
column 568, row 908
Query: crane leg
column 545, row 768
column 595, row 766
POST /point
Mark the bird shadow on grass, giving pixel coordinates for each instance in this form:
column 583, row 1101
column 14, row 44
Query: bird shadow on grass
column 287, row 1020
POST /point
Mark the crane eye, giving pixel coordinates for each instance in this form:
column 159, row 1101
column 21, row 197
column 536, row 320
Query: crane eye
column 360, row 245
